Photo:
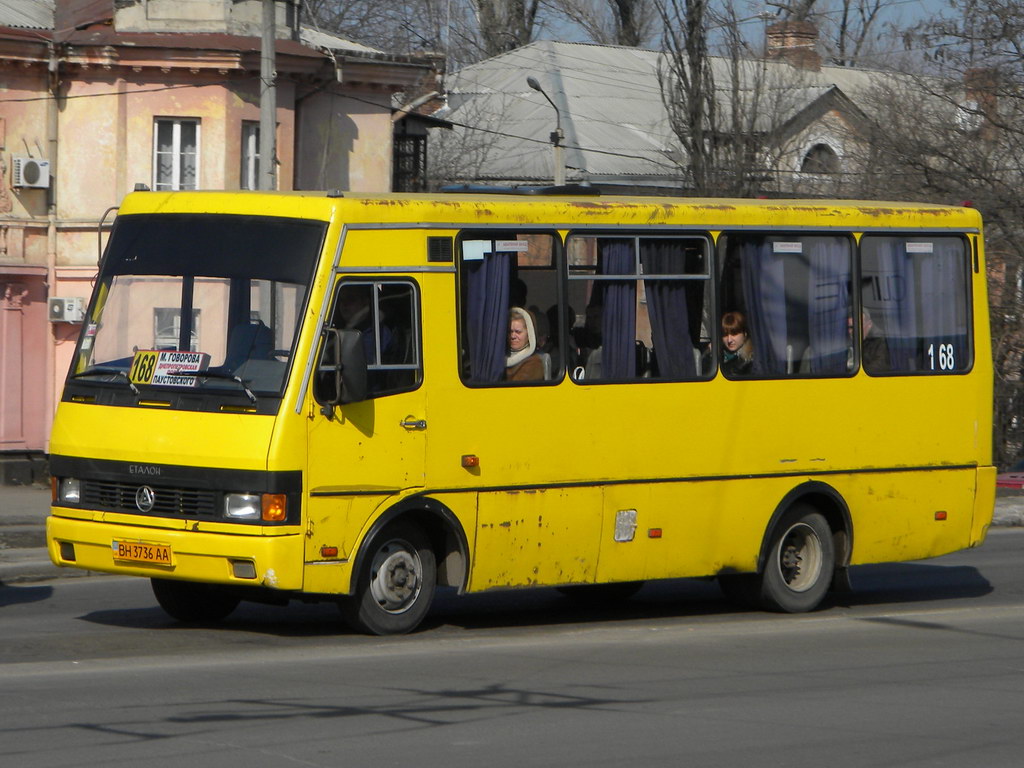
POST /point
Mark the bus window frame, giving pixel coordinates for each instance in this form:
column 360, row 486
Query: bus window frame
column 557, row 265
column 416, row 316
column 710, row 277
column 794, row 233
column 969, row 241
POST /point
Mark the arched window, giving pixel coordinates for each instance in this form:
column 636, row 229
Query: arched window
column 820, row 158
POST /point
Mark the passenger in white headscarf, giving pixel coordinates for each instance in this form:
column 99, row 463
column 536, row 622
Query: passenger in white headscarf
column 522, row 364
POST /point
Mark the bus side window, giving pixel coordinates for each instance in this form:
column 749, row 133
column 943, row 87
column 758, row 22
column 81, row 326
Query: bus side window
column 793, row 294
column 644, row 298
column 510, row 325
column 386, row 313
column 916, row 293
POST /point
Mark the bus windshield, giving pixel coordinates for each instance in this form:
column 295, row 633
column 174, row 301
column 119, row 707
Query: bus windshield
column 203, row 302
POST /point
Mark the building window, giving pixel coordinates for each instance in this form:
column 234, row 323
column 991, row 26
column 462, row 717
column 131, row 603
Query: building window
column 821, row 158
column 167, row 329
column 250, row 174
column 410, row 163
column 175, row 154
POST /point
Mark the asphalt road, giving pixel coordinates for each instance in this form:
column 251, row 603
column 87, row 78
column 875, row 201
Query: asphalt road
column 920, row 666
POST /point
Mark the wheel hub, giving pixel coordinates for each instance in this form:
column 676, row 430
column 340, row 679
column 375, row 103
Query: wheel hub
column 395, row 579
column 800, row 557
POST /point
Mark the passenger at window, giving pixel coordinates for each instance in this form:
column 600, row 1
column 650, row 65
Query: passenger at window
column 738, row 352
column 522, row 364
column 874, row 350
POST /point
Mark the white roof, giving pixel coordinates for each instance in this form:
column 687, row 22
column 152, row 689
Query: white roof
column 610, row 102
column 28, row 14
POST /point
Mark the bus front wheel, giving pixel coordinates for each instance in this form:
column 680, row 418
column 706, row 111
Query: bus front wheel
column 800, row 563
column 395, row 583
column 193, row 603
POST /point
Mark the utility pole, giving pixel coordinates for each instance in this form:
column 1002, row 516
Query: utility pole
column 268, row 99
column 557, row 136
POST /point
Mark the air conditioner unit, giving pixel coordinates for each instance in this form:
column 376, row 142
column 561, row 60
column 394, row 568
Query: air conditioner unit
column 31, row 173
column 69, row 310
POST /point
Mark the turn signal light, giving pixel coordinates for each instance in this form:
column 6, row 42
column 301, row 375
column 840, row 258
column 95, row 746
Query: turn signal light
column 275, row 507
column 469, row 461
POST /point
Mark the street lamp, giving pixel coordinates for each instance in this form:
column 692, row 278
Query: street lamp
column 556, row 135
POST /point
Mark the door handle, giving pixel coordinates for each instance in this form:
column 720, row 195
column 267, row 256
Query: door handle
column 412, row 423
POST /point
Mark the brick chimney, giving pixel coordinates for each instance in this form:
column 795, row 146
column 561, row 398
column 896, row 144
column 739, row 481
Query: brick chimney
column 796, row 42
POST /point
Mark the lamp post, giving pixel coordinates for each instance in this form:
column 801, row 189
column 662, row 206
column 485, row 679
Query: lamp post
column 556, row 135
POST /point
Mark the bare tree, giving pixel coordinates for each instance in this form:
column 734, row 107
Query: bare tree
column 610, row 22
column 729, row 111
column 505, row 24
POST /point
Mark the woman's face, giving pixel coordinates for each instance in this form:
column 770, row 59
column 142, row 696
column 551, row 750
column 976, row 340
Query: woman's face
column 733, row 341
column 517, row 334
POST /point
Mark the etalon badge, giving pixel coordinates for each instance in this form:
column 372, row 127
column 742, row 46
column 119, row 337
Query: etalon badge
column 145, row 498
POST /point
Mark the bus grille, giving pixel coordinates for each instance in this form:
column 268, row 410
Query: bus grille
column 174, row 502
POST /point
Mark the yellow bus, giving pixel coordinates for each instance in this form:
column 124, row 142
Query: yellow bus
column 361, row 398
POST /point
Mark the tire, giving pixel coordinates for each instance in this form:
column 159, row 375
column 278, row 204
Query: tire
column 395, row 584
column 800, row 562
column 194, row 603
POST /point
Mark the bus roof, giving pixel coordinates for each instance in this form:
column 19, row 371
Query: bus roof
column 483, row 209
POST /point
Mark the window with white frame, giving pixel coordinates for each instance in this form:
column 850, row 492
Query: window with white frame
column 250, row 173
column 175, row 153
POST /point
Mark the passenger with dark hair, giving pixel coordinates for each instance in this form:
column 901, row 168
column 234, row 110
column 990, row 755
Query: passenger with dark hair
column 737, row 348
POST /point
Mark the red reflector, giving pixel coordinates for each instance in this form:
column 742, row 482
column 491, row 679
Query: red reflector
column 654, row 533
column 469, row 461
column 328, row 551
column 940, row 515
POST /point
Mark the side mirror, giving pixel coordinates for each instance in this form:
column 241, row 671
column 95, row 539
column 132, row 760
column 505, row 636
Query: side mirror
column 341, row 374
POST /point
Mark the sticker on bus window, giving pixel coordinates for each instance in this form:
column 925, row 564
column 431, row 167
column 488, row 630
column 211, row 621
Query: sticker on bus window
column 511, row 246
column 475, row 250
column 920, row 247
column 167, row 367
column 788, row 247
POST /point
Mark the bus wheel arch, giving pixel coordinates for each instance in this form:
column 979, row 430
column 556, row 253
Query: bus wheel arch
column 830, row 504
column 409, row 550
column 805, row 550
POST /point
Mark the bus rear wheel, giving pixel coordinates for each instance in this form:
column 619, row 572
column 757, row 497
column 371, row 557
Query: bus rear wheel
column 194, row 603
column 395, row 584
column 800, row 563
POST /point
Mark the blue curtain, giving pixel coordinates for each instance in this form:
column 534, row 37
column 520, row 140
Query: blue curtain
column 941, row 276
column 618, row 321
column 487, row 315
column 764, row 291
column 667, row 308
column 895, row 280
column 829, row 304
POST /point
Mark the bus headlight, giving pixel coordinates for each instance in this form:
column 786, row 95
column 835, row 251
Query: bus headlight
column 242, row 506
column 69, row 490
column 268, row 507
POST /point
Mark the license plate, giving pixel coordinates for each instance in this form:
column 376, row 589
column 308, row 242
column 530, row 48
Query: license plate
column 142, row 552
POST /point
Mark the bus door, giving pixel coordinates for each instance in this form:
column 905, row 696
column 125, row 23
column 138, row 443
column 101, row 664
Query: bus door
column 364, row 451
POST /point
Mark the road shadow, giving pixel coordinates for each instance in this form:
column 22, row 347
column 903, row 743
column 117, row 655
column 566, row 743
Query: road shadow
column 912, row 583
column 17, row 595
column 898, row 583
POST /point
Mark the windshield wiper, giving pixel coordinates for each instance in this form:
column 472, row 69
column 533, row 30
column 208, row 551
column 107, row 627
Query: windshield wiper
column 216, row 375
column 100, row 370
